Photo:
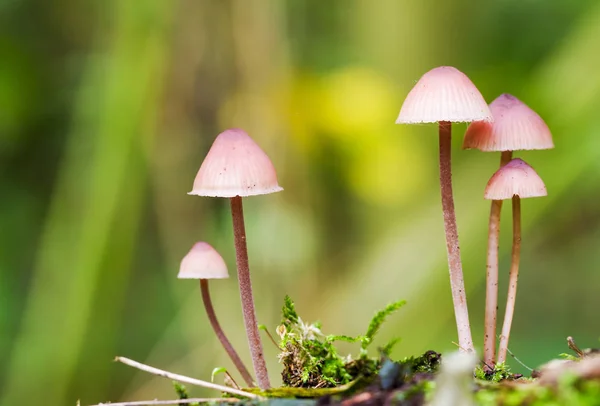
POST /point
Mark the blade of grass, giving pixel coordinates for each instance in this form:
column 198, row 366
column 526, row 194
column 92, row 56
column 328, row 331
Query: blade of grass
column 116, row 100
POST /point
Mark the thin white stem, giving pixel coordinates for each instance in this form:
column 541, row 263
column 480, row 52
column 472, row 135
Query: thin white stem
column 182, row 378
column 513, row 279
column 491, row 292
column 169, row 402
column 248, row 311
column 457, row 283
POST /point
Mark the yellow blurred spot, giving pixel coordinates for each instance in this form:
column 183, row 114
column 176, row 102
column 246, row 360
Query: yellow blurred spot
column 354, row 100
column 390, row 171
column 300, row 111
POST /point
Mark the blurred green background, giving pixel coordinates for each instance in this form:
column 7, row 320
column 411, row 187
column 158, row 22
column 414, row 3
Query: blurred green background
column 107, row 109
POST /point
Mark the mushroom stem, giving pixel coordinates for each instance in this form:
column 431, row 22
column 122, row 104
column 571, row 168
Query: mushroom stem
column 513, row 278
column 212, row 317
column 457, row 283
column 491, row 293
column 241, row 253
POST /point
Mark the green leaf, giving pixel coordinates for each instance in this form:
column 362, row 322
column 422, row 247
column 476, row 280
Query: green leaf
column 216, row 371
column 378, row 320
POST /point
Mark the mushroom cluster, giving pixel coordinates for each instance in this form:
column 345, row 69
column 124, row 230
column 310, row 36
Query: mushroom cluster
column 236, row 167
column 446, row 95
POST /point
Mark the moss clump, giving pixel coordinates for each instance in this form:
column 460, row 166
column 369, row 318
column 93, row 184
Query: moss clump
column 426, row 363
column 310, row 358
column 501, row 372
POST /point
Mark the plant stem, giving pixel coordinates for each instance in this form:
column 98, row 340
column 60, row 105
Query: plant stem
column 212, row 317
column 491, row 293
column 271, row 338
column 241, row 252
column 513, row 278
column 183, row 378
column 457, row 283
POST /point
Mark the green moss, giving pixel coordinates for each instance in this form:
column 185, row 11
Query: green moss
column 501, row 372
column 310, row 358
column 182, row 393
column 376, row 322
column 288, row 392
column 426, row 363
column 569, row 391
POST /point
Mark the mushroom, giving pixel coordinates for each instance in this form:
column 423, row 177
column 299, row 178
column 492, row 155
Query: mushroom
column 204, row 262
column 515, row 127
column 515, row 180
column 236, row 167
column 445, row 95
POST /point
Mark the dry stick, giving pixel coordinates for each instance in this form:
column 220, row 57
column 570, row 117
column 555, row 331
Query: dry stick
column 457, row 283
column 575, row 347
column 210, row 312
column 170, row 402
column 513, row 278
column 241, row 253
column 182, row 378
column 491, row 292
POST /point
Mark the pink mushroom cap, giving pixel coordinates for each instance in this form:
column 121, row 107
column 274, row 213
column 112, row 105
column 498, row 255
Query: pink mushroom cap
column 516, row 178
column 515, row 127
column 203, row 262
column 444, row 94
column 235, row 166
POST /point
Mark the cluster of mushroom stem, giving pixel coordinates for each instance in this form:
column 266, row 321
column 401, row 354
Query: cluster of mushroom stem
column 445, row 95
column 492, row 266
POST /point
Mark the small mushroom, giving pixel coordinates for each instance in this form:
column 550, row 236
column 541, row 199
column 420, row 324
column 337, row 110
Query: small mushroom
column 515, row 127
column 204, row 262
column 515, row 180
column 445, row 95
column 236, row 167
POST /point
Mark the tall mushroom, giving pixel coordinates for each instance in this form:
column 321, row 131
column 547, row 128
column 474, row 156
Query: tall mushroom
column 236, row 167
column 515, row 180
column 515, row 127
column 445, row 95
column 204, row 262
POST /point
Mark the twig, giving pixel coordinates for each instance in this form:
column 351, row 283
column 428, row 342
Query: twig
column 574, row 347
column 489, row 368
column 168, row 402
column 182, row 378
column 518, row 360
column 264, row 328
column 463, row 349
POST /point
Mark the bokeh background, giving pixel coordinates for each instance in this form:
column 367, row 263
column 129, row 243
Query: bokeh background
column 107, row 109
